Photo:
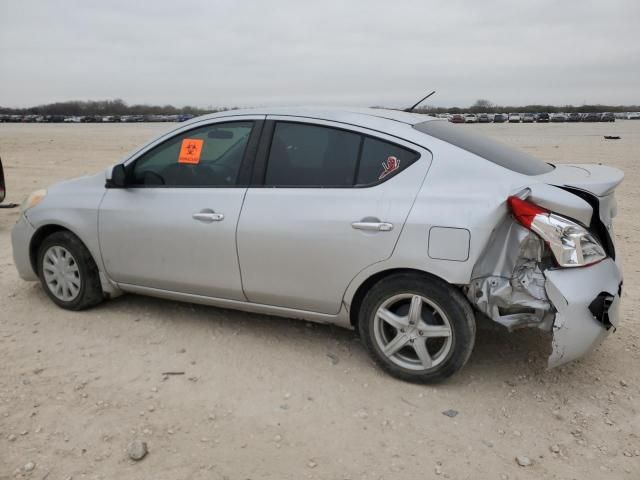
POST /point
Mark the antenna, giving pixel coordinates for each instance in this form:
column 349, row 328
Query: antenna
column 410, row 109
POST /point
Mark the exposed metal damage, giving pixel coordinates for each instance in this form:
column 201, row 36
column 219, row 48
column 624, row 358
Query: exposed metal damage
column 516, row 284
column 508, row 284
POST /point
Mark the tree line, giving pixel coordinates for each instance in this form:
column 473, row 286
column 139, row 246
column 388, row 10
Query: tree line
column 119, row 107
column 115, row 107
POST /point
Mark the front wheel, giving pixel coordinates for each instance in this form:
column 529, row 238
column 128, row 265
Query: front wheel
column 68, row 273
column 417, row 327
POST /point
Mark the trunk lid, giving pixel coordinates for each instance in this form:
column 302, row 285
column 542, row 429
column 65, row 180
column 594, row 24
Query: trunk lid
column 596, row 185
column 600, row 180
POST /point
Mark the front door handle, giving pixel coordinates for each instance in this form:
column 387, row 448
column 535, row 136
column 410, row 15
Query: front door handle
column 208, row 216
column 373, row 226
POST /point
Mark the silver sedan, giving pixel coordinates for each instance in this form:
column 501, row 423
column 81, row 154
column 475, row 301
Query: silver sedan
column 401, row 226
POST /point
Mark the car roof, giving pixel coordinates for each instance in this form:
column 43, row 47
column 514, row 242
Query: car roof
column 365, row 117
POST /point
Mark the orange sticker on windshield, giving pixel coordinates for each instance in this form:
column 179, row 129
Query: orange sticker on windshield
column 190, row 151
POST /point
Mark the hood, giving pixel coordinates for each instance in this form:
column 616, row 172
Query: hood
column 81, row 183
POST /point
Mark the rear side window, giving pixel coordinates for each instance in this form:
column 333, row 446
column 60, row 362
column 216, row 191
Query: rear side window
column 381, row 160
column 311, row 155
column 495, row 152
column 307, row 155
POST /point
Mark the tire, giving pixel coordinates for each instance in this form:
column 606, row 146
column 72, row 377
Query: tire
column 77, row 287
column 443, row 326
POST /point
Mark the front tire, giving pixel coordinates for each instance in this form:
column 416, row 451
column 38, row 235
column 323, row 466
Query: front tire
column 417, row 327
column 68, row 273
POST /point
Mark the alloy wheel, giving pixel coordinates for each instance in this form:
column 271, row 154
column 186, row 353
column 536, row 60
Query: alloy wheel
column 413, row 332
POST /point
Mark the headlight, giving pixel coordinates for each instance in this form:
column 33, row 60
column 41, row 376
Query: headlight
column 572, row 244
column 32, row 200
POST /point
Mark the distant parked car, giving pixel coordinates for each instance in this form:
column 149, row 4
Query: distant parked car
column 528, row 118
column 499, row 118
column 558, row 118
column 633, row 116
column 470, row 118
column 484, row 118
column 607, row 117
column 514, row 118
column 591, row 117
column 54, row 118
column 542, row 118
column 456, row 118
column 573, row 117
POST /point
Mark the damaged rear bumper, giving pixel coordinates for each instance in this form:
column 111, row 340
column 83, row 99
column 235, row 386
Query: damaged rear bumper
column 516, row 284
column 586, row 301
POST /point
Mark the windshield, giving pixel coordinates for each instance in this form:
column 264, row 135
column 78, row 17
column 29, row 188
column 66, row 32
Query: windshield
column 496, row 152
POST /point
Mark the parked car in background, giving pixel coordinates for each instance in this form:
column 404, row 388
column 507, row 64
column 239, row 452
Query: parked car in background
column 573, row 117
column 514, row 118
column 484, row 118
column 410, row 253
column 55, row 118
column 470, row 118
column 633, row 116
column 528, row 118
column 591, row 117
column 607, row 117
column 558, row 118
column 3, row 190
column 499, row 118
column 456, row 118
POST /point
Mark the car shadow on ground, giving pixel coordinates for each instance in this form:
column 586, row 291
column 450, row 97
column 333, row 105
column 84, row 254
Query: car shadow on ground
column 496, row 352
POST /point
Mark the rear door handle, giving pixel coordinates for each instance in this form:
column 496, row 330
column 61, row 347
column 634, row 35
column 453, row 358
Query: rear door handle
column 208, row 216
column 373, row 226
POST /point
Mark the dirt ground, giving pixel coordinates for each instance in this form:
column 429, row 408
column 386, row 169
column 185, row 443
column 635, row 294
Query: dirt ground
column 268, row 398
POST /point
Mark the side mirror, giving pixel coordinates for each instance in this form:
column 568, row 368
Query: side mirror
column 118, row 177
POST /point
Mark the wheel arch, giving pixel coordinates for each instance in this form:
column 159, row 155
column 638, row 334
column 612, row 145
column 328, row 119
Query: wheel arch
column 365, row 286
column 43, row 232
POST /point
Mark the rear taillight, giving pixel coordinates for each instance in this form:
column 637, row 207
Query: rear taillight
column 572, row 244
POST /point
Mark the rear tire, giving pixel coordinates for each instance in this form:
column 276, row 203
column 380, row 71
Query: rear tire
column 417, row 327
column 68, row 273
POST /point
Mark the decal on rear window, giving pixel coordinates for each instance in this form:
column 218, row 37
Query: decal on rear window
column 190, row 151
column 390, row 165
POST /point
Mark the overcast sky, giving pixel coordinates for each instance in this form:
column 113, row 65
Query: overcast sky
column 346, row 52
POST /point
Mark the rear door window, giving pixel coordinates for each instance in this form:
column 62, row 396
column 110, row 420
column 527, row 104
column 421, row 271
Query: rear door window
column 312, row 155
column 306, row 155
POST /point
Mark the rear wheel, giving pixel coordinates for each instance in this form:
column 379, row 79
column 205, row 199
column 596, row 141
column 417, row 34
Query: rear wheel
column 68, row 273
column 417, row 328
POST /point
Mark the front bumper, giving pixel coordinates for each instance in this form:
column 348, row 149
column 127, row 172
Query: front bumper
column 587, row 301
column 20, row 241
